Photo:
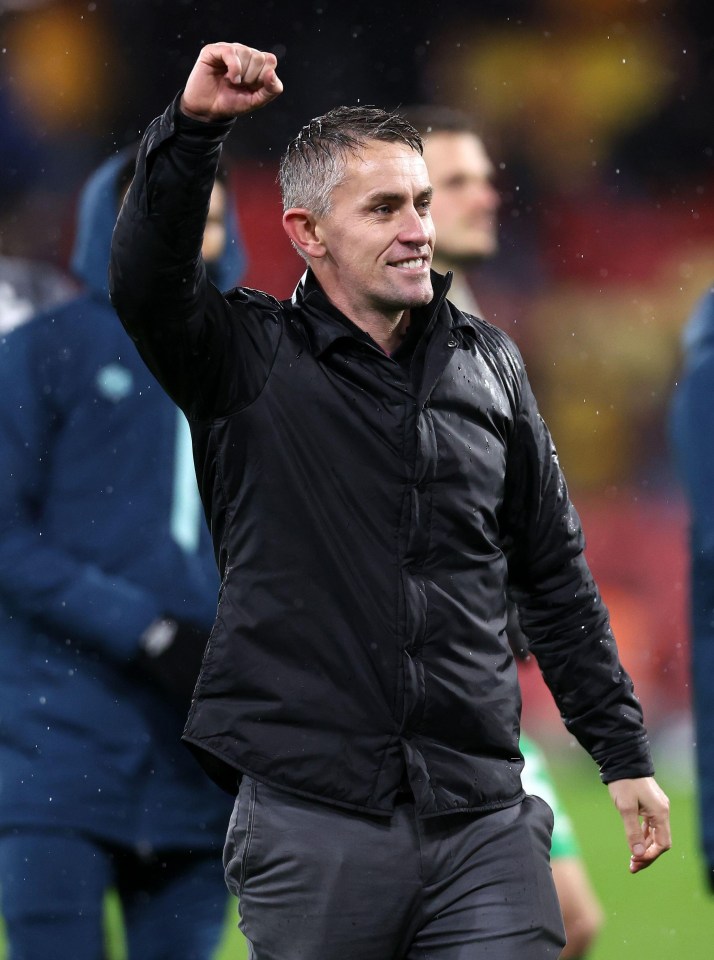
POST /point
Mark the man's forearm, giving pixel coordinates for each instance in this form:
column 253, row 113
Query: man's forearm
column 157, row 240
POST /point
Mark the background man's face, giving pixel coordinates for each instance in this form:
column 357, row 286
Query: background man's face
column 465, row 201
column 214, row 236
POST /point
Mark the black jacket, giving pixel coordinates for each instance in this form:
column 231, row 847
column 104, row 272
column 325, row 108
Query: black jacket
column 365, row 529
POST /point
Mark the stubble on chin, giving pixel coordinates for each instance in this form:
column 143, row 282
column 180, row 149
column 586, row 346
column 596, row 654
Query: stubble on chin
column 420, row 297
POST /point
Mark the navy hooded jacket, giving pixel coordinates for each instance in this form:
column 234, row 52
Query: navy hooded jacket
column 101, row 531
column 692, row 437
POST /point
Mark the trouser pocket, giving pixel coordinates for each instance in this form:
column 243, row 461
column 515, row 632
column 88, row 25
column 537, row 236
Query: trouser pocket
column 239, row 836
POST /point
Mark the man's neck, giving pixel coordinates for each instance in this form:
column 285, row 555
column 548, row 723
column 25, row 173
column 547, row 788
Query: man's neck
column 387, row 332
column 387, row 329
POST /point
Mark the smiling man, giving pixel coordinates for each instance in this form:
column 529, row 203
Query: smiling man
column 370, row 248
column 375, row 474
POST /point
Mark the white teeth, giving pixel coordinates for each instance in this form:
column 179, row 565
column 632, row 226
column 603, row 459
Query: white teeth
column 412, row 264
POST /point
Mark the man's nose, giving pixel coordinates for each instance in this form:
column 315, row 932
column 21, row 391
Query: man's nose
column 489, row 197
column 415, row 227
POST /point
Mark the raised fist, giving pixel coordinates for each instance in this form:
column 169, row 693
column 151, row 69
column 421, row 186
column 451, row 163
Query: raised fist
column 229, row 79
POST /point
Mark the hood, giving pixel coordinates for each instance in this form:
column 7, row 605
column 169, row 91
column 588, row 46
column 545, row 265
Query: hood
column 97, row 213
column 698, row 332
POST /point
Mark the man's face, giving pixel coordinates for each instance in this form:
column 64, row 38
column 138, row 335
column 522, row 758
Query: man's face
column 378, row 236
column 465, row 201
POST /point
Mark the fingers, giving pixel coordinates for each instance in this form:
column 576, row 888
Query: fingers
column 229, row 79
column 272, row 83
column 655, row 833
column 655, row 841
column 242, row 65
column 257, row 67
column 225, row 58
column 258, row 73
column 644, row 808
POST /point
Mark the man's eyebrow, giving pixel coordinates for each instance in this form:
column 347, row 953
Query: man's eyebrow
column 385, row 196
column 391, row 196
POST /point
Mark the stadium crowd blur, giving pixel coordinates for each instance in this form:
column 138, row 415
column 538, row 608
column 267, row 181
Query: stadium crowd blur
column 598, row 118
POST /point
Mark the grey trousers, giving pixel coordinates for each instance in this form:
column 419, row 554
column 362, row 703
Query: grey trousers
column 318, row 883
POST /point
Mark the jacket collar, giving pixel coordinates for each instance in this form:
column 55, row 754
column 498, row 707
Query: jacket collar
column 326, row 324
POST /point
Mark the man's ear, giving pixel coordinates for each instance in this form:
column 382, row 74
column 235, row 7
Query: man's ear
column 302, row 229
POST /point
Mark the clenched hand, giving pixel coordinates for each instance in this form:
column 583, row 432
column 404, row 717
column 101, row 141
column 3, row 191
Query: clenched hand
column 229, row 79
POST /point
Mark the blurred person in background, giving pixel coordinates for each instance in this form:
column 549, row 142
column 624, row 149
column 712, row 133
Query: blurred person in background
column 692, row 440
column 375, row 472
column 464, row 210
column 465, row 204
column 108, row 591
column 27, row 287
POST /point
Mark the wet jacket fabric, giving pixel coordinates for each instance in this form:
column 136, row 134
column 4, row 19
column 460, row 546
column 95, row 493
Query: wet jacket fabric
column 365, row 528
column 691, row 432
column 101, row 531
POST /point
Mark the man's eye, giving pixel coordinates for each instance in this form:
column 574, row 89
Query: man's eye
column 383, row 209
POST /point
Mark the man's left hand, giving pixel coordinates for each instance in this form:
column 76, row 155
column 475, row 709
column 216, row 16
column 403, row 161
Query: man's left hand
column 644, row 809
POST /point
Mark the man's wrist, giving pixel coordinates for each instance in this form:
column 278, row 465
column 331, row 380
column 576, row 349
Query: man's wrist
column 189, row 123
column 189, row 113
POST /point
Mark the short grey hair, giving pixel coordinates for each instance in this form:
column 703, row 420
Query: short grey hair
column 314, row 162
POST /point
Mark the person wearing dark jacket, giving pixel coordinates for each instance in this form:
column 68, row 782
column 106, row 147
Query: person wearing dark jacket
column 691, row 431
column 108, row 590
column 375, row 472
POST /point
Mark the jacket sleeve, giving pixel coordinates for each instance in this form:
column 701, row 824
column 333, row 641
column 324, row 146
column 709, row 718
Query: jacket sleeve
column 560, row 608
column 40, row 582
column 211, row 356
